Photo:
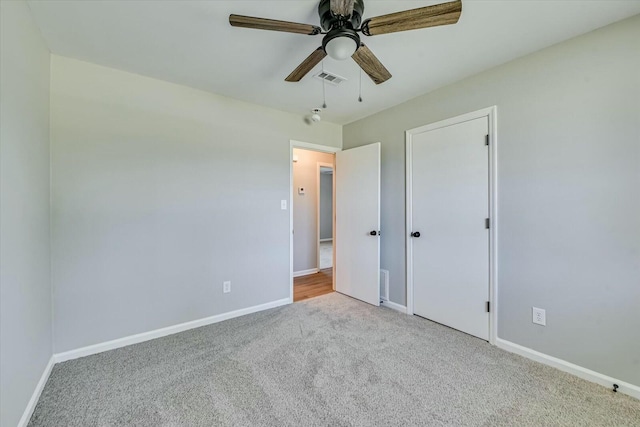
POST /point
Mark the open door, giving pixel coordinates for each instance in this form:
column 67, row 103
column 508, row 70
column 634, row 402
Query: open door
column 357, row 245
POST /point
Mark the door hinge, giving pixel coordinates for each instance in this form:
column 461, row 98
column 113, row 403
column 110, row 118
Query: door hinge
column 487, row 223
column 486, row 139
column 488, row 307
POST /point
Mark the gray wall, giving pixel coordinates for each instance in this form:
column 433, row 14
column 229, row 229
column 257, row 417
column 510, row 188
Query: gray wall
column 25, row 284
column 305, row 208
column 326, row 206
column 160, row 193
column 569, row 198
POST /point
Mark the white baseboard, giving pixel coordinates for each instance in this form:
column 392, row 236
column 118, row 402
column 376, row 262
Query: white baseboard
column 170, row 330
column 28, row 411
column 563, row 365
column 395, row 306
column 330, row 239
column 305, row 272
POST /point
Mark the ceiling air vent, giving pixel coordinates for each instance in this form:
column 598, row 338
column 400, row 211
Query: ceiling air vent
column 328, row 77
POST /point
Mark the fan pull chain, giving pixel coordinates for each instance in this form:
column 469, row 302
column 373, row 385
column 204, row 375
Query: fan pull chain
column 360, row 90
column 324, row 94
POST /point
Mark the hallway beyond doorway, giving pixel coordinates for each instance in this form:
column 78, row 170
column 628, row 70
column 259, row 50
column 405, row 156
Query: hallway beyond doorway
column 326, row 255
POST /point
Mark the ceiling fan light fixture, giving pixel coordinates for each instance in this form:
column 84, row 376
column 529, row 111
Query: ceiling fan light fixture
column 341, row 48
column 341, row 43
column 342, row 21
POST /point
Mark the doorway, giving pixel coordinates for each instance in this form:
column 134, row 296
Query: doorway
column 355, row 270
column 451, row 222
column 313, row 223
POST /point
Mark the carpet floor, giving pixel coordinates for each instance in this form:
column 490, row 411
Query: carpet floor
column 327, row 361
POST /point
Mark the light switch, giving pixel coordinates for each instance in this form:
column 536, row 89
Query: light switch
column 301, row 191
column 283, row 205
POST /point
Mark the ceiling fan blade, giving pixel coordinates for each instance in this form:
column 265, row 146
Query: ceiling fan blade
column 273, row 25
column 342, row 7
column 371, row 65
column 306, row 65
column 430, row 16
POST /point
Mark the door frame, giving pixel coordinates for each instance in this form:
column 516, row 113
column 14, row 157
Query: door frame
column 313, row 147
column 320, row 165
column 491, row 114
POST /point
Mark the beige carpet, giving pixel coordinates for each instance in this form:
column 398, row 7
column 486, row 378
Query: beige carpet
column 327, row 361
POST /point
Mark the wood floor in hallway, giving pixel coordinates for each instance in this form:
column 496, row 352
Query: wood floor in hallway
column 313, row 285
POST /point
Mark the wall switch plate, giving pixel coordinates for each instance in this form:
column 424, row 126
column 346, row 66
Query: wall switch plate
column 226, row 287
column 539, row 316
column 283, row 205
column 301, row 190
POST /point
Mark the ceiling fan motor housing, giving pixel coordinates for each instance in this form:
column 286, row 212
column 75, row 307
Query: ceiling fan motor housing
column 329, row 21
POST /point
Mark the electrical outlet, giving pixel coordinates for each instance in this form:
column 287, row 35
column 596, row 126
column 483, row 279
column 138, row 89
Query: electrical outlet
column 226, row 287
column 539, row 316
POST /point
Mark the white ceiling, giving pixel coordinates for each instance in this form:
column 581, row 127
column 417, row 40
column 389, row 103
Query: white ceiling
column 192, row 43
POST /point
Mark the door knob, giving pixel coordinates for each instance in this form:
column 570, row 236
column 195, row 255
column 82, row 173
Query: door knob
column 415, row 234
column 374, row 233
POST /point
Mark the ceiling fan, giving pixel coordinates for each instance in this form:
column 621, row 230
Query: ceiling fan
column 341, row 21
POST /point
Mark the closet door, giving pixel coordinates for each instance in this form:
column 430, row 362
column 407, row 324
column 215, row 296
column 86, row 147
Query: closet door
column 450, row 236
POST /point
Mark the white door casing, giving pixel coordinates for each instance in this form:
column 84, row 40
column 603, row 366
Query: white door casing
column 357, row 197
column 449, row 202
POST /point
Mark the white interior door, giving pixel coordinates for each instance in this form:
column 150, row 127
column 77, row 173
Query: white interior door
column 357, row 258
column 450, row 203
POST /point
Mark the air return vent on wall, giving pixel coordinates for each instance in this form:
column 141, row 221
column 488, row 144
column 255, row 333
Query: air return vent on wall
column 328, row 77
